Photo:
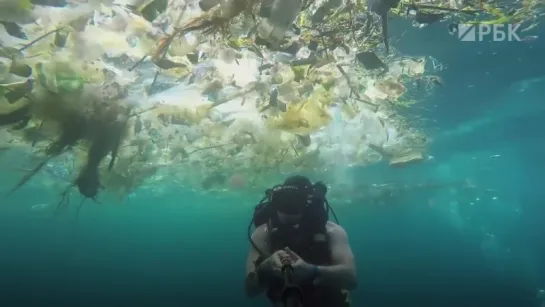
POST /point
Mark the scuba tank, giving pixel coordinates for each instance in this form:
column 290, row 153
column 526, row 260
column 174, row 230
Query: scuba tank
column 277, row 18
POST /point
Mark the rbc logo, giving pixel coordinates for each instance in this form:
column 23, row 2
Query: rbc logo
column 478, row 32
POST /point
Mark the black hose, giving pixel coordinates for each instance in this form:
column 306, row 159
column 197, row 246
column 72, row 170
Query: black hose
column 329, row 209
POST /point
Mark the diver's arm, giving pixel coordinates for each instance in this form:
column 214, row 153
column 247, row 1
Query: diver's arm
column 252, row 283
column 342, row 272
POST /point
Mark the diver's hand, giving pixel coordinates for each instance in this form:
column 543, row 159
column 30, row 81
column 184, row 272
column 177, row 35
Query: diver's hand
column 302, row 270
column 273, row 264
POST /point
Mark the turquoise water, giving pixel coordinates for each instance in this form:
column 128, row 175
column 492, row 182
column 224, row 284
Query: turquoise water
column 476, row 245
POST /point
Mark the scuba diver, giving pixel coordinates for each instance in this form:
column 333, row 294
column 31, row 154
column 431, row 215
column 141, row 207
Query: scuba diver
column 297, row 255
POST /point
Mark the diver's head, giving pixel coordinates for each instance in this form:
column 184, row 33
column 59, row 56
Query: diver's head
column 291, row 199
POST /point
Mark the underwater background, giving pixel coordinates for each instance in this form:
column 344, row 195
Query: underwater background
column 482, row 246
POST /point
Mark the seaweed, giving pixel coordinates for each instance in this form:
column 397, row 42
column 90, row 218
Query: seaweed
column 28, row 176
column 108, row 133
column 72, row 130
column 88, row 182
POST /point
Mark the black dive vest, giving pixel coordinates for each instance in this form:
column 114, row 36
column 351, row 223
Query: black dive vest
column 313, row 247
